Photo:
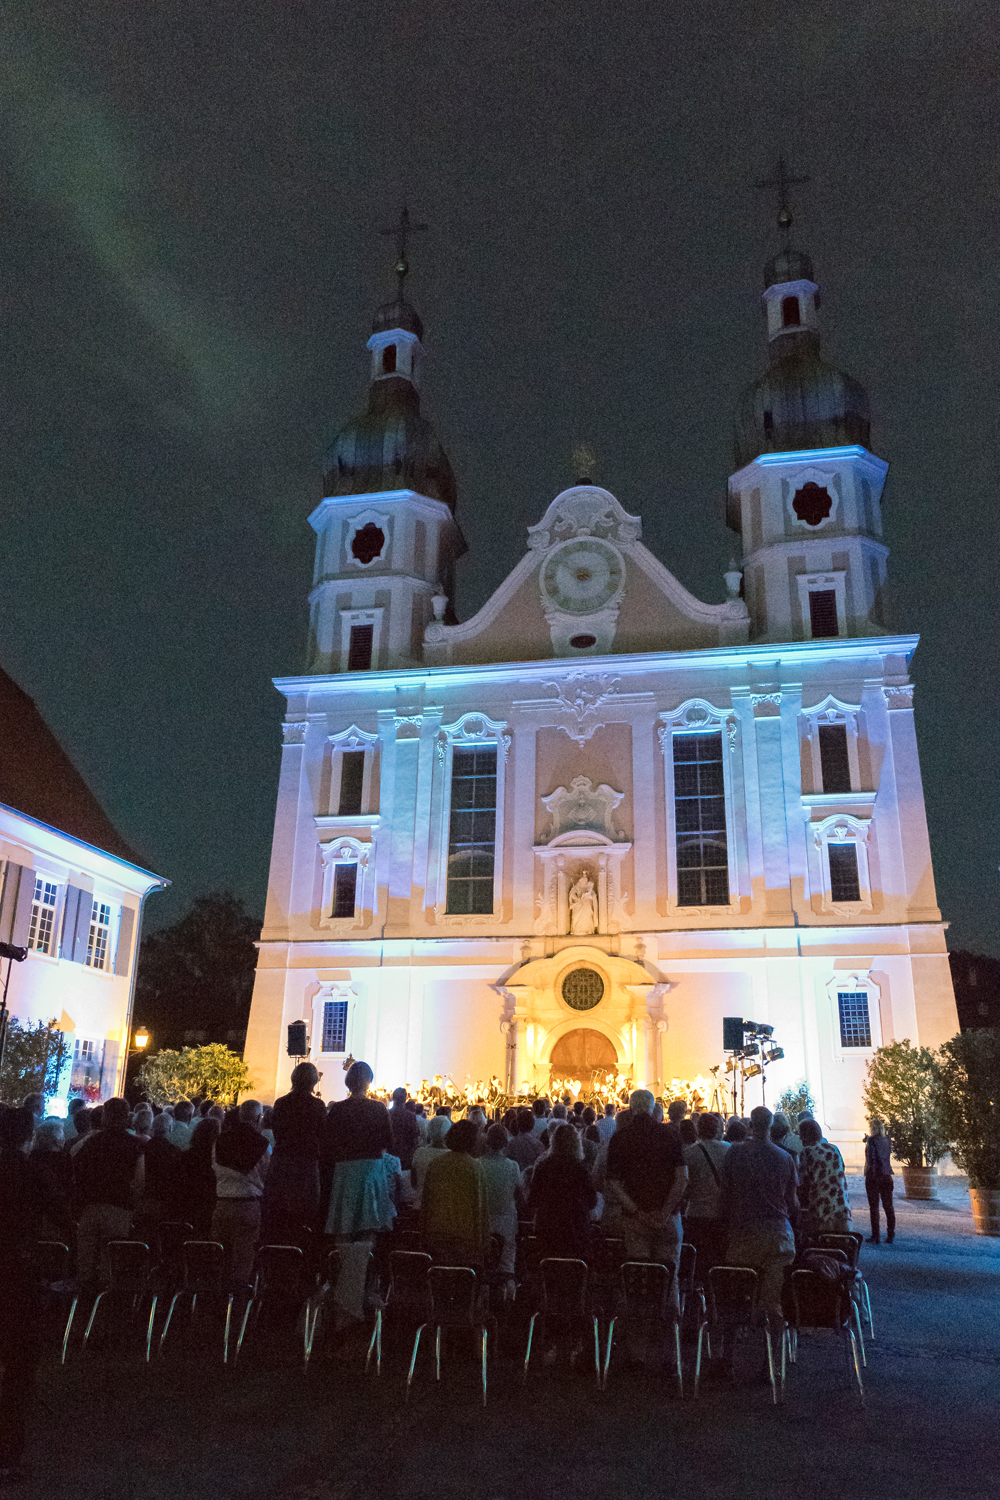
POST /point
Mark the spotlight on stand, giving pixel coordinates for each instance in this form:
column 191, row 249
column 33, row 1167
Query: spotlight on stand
column 750, row 1050
column 12, row 951
column 774, row 1054
column 754, row 1071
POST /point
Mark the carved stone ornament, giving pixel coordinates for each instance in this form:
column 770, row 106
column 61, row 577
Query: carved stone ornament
column 696, row 715
column 582, row 805
column 899, row 697
column 581, row 697
column 766, row 705
column 473, row 728
column 584, row 510
column 294, row 734
column 812, row 503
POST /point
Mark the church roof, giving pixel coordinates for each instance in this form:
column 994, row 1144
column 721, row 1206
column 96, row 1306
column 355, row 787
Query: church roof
column 38, row 778
column 389, row 447
column 800, row 402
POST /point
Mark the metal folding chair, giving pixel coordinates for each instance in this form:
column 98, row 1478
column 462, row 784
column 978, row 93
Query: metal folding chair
column 686, row 1268
column 202, row 1274
column 818, row 1303
column 563, row 1289
column 130, row 1264
column 850, row 1244
column 644, row 1302
column 281, row 1281
column 733, row 1303
column 407, row 1298
column 51, row 1259
column 455, row 1303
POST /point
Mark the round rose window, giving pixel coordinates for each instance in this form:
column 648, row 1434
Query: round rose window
column 583, row 989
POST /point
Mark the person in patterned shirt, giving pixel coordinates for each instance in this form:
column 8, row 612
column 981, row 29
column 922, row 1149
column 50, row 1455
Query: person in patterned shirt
column 824, row 1207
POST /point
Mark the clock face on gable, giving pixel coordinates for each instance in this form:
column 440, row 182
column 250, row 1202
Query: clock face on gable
column 582, row 575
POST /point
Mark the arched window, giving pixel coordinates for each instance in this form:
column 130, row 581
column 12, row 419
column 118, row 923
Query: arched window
column 790, row 317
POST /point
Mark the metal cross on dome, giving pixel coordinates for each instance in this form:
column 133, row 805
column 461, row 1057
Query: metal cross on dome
column 402, row 232
column 782, row 180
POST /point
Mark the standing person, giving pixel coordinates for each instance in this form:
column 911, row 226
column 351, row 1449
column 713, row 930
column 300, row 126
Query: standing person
column 109, row 1175
column 540, row 1110
column 437, row 1129
column 454, row 1212
column 405, row 1130
column 676, row 1111
column 241, row 1157
column 758, row 1182
column 647, row 1178
column 30, row 1204
column 291, row 1195
column 198, row 1178
column 704, row 1225
column 48, row 1150
column 524, row 1147
column 878, row 1180
column 781, row 1135
column 824, row 1207
column 72, row 1110
column 357, row 1132
column 182, row 1128
column 503, row 1194
column 562, row 1197
column 163, row 1168
column 606, row 1125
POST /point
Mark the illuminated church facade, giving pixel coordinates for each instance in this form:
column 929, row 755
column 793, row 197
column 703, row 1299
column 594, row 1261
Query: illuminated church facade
column 579, row 829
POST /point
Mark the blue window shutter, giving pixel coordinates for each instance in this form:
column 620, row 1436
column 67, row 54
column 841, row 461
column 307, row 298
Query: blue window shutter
column 15, row 904
column 123, row 952
column 78, row 908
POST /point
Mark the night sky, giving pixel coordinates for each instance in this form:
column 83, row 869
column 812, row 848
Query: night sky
column 191, row 199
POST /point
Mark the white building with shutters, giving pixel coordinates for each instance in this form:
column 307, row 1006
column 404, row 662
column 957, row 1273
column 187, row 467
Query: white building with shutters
column 580, row 829
column 72, row 894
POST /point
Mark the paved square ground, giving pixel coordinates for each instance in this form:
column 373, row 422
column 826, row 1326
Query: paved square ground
column 109, row 1429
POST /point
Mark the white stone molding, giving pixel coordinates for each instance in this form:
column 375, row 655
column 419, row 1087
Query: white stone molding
column 561, row 862
column 349, row 617
column 348, row 849
column 582, row 805
column 584, row 510
column 839, row 828
column 832, row 711
column 857, row 979
column 580, row 700
column 822, row 582
column 294, row 733
column 339, row 989
column 352, row 738
column 900, row 696
column 698, row 716
column 471, row 729
column 364, row 518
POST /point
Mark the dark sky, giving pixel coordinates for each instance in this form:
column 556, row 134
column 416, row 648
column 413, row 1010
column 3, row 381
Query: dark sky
column 191, row 197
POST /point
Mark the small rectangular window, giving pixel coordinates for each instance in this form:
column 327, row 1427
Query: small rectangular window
column 472, row 830
column 823, row 613
column 43, row 915
column 335, row 1026
column 700, row 813
column 844, row 883
column 389, row 359
column 352, row 780
column 833, row 758
column 855, row 1022
column 98, row 942
column 345, row 885
column 359, row 649
column 790, row 317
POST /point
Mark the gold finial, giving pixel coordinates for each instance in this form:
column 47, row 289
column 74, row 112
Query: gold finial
column 584, row 463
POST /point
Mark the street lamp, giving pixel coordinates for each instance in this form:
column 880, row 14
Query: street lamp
column 140, row 1039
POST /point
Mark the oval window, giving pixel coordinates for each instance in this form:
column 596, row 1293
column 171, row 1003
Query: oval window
column 582, row 989
column 581, row 642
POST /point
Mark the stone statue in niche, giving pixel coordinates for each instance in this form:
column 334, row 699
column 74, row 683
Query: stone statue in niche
column 583, row 907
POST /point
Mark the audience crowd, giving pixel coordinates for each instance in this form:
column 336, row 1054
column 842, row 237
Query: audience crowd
column 750, row 1191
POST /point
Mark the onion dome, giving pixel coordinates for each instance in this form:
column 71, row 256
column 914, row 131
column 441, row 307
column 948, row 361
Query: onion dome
column 801, row 401
column 390, row 446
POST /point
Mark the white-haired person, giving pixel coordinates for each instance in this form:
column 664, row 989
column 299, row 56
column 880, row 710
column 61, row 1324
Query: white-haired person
column 647, row 1179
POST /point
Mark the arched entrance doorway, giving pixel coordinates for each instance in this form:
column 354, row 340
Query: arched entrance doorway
column 580, row 1052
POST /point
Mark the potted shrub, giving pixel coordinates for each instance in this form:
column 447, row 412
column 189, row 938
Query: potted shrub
column 969, row 1102
column 902, row 1091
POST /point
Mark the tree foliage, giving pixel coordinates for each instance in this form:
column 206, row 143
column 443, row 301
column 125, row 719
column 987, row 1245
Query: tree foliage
column 902, row 1091
column 969, row 1100
column 212, row 1072
column 33, row 1059
column 195, row 978
column 795, row 1100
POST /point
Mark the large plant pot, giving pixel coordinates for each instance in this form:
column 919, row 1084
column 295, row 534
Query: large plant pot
column 919, row 1182
column 985, row 1210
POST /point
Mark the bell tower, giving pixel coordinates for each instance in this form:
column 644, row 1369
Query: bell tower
column 386, row 535
column 806, row 494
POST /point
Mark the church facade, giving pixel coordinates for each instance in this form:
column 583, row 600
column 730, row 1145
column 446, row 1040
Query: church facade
column 581, row 828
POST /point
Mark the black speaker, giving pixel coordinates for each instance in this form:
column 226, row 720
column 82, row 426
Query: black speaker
column 732, row 1034
column 298, row 1046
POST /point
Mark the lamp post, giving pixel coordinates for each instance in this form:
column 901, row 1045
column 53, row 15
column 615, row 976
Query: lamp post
column 140, row 1040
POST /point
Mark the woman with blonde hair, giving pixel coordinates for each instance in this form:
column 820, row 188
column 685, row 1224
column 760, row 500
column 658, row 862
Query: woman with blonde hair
column 878, row 1180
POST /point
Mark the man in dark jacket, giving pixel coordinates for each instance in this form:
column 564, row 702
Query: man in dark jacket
column 405, row 1130
column 109, row 1179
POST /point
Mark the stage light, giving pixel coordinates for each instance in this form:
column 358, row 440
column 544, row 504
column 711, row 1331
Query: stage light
column 754, row 1071
column 774, row 1054
column 751, row 1050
